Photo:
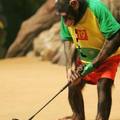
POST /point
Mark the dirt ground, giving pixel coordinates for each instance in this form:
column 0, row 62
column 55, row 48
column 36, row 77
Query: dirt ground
column 26, row 84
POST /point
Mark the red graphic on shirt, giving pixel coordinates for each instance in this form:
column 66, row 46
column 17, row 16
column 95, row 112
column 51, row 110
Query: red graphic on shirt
column 81, row 34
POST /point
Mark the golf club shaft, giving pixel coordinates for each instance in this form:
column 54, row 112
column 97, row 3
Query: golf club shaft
column 50, row 100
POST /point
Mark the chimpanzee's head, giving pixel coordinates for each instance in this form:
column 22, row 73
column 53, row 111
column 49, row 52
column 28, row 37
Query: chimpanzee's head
column 71, row 10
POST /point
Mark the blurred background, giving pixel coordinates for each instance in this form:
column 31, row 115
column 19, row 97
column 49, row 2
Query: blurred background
column 31, row 28
column 29, row 32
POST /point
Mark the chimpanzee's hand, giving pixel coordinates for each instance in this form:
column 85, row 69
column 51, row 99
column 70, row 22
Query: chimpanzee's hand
column 88, row 68
column 74, row 77
column 74, row 74
column 80, row 68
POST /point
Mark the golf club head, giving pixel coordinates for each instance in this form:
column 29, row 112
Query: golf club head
column 15, row 119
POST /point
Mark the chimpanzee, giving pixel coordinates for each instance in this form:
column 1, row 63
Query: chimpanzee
column 91, row 28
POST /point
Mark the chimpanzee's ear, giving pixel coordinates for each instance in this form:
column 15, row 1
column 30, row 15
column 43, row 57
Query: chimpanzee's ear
column 74, row 3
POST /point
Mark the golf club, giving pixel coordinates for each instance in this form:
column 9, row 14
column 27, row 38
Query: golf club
column 47, row 102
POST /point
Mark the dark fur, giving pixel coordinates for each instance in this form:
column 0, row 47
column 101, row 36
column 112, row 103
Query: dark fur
column 104, row 85
column 64, row 6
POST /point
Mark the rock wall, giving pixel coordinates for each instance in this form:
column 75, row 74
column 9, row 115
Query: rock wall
column 45, row 25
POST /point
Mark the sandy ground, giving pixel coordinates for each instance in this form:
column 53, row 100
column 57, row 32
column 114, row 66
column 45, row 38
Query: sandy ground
column 26, row 84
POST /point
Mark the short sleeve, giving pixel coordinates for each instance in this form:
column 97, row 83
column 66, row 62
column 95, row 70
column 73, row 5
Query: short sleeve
column 107, row 23
column 64, row 32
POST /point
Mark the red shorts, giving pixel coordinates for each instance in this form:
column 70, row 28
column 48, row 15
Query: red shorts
column 107, row 69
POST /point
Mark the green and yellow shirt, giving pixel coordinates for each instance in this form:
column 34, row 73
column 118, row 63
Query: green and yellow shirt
column 90, row 32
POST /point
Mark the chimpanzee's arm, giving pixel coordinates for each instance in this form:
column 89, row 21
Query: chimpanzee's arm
column 109, row 47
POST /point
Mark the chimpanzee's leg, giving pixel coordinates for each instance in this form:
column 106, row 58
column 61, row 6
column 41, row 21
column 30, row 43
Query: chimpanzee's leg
column 76, row 100
column 104, row 87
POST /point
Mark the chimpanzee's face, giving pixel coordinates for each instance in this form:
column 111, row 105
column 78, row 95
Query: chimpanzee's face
column 69, row 20
column 70, row 10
